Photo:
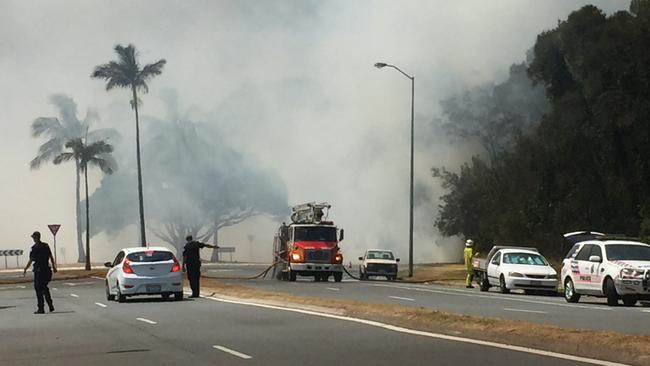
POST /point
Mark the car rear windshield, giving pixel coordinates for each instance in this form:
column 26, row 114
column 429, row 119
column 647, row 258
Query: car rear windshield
column 314, row 233
column 621, row 252
column 376, row 254
column 524, row 258
column 150, row 256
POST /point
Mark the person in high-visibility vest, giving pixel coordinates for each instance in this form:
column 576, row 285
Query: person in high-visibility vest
column 468, row 254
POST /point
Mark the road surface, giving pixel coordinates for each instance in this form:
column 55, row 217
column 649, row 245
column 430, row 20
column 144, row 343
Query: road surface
column 86, row 329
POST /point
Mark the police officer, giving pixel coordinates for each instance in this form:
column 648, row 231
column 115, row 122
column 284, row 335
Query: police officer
column 39, row 255
column 192, row 262
column 468, row 253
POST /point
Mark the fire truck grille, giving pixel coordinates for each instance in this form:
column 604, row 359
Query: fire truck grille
column 317, row 255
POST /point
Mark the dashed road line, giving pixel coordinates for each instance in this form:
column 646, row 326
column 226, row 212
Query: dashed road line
column 55, row 289
column 146, row 321
column 101, row 305
column 401, row 298
column 74, row 295
column 646, row 311
column 97, row 278
column 333, row 288
column 72, row 284
column 233, row 352
column 526, row 311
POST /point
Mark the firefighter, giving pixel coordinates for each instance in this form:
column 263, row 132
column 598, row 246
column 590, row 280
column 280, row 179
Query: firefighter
column 192, row 262
column 468, row 254
column 40, row 256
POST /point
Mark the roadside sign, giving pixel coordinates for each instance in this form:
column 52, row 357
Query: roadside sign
column 54, row 228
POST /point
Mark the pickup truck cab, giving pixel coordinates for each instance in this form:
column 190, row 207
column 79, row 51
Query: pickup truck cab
column 378, row 262
column 511, row 268
column 614, row 268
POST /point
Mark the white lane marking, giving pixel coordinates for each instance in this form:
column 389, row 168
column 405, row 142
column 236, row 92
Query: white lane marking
column 55, row 289
column 146, row 321
column 20, row 286
column 526, row 311
column 100, row 304
column 429, row 334
column 72, row 284
column 74, row 295
column 510, row 298
column 333, row 288
column 401, row 298
column 97, row 278
column 233, row 352
column 646, row 311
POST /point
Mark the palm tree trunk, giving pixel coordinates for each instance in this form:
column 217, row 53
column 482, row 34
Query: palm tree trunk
column 87, row 221
column 215, row 253
column 80, row 243
column 143, row 238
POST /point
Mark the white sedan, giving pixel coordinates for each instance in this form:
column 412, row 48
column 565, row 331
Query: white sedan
column 144, row 271
column 511, row 269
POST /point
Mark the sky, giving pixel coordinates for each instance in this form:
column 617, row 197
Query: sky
column 290, row 84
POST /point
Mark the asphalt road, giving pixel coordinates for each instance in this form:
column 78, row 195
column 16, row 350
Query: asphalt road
column 86, row 329
column 589, row 313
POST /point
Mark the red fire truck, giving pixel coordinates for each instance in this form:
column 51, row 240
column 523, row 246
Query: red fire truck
column 309, row 245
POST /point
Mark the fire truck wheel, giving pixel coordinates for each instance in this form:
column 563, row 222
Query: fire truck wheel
column 325, row 277
column 292, row 276
column 338, row 277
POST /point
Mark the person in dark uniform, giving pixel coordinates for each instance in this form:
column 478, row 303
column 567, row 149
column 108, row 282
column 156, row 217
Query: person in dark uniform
column 40, row 255
column 192, row 262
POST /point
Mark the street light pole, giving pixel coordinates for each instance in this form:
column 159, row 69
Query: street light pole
column 380, row 65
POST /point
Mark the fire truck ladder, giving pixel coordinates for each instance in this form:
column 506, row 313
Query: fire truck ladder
column 310, row 213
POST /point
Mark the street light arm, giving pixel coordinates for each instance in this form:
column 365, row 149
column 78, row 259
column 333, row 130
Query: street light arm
column 400, row 70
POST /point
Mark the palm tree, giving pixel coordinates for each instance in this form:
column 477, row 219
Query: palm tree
column 126, row 73
column 95, row 154
column 60, row 130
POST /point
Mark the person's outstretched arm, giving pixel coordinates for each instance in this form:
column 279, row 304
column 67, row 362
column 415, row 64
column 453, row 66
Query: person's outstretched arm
column 29, row 263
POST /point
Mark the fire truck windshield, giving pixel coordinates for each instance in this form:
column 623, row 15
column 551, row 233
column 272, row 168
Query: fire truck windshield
column 314, row 233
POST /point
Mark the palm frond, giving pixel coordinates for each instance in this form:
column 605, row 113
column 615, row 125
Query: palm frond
column 105, row 162
column 63, row 157
column 46, row 126
column 127, row 55
column 152, row 70
column 116, row 75
column 67, row 109
column 109, row 134
column 46, row 152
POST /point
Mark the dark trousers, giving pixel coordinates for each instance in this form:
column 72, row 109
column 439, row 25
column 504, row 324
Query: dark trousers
column 194, row 276
column 41, row 279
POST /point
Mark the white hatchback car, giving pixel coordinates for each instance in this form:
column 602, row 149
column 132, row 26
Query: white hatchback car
column 144, row 271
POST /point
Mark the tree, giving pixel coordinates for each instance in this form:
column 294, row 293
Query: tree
column 198, row 184
column 60, row 130
column 94, row 154
column 127, row 73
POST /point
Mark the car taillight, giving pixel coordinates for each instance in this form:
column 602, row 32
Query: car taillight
column 176, row 266
column 126, row 267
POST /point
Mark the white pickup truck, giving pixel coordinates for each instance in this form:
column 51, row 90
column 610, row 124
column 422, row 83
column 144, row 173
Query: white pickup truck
column 378, row 262
column 511, row 268
column 608, row 266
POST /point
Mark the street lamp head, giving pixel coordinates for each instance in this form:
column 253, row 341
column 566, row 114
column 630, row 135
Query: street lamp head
column 379, row 65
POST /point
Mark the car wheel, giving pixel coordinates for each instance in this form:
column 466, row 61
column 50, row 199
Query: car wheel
column 570, row 294
column 165, row 296
column 109, row 297
column 502, row 285
column 485, row 284
column 317, row 278
column 338, row 277
column 629, row 300
column 120, row 297
column 178, row 296
column 610, row 292
column 292, row 276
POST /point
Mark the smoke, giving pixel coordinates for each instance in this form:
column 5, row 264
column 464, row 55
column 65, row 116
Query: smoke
column 286, row 84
